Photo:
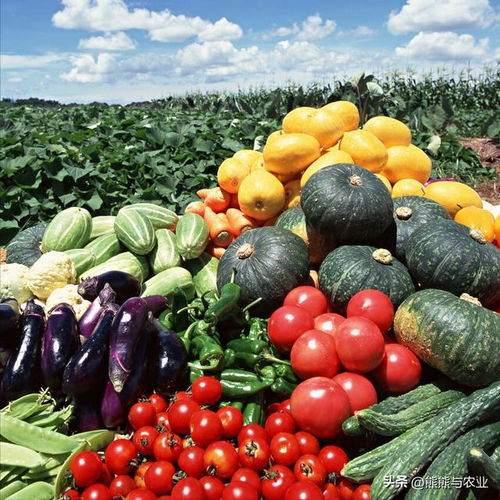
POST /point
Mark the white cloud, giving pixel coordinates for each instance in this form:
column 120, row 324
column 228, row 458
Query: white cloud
column 28, row 61
column 15, row 79
column 221, row 30
column 358, row 31
column 442, row 15
column 445, row 46
column 313, row 28
column 110, row 41
column 86, row 69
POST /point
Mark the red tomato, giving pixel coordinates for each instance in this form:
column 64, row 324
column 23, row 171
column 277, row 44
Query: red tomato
column 304, row 491
column 272, row 408
column 239, row 490
column 359, row 390
column 308, row 444
column 159, row 402
column 142, row 414
column 310, row 468
column 71, row 495
column 374, row 305
column 231, row 419
column 162, row 421
column 212, row 486
column 346, row 489
column 314, row 355
column 279, row 422
column 252, row 431
column 399, row 371
column 188, row 488
column 158, row 477
column 167, row 446
column 362, row 492
column 276, row 481
column 144, row 438
column 141, row 494
column 285, row 406
column 319, row 406
column 205, row 427
column 119, row 456
column 121, row 486
column 333, row 458
column 249, row 476
column 140, row 472
column 221, row 459
column 206, row 391
column 254, row 453
column 328, row 322
column 359, row 344
column 180, row 413
column 96, row 492
column 309, row 298
column 286, row 325
column 285, row 448
column 181, row 395
column 331, row 492
column 191, row 461
column 86, row 468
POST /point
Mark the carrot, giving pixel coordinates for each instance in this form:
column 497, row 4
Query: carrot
column 233, row 202
column 220, row 230
column 195, row 207
column 217, row 199
column 214, row 251
column 202, row 193
column 238, row 221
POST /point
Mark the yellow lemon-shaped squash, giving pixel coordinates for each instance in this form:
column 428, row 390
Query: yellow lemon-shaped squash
column 247, row 156
column 453, row 196
column 365, row 149
column 477, row 218
column 290, row 153
column 276, row 133
column 322, row 124
column 292, row 194
column 335, row 147
column 390, row 131
column 407, row 187
column 407, row 162
column 347, row 111
column 386, row 182
column 258, row 163
column 285, row 178
column 230, row 174
column 261, row 195
column 331, row 158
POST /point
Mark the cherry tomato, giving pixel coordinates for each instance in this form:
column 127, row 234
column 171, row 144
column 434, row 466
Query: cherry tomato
column 314, row 355
column 333, row 458
column 70, row 495
column 359, row 344
column 303, row 491
column 159, row 402
column 252, row 431
column 249, row 476
column 142, row 414
column 285, row 448
column 310, row 468
column 191, row 461
column 86, row 468
column 96, row 492
column 231, row 419
column 205, row 427
column 399, row 371
column 309, row 298
column 346, row 489
column 272, row 408
column 308, row 443
column 374, row 305
column 144, row 438
column 331, row 492
column 328, row 322
column 188, row 488
column 182, row 395
column 279, row 422
column 121, row 486
column 141, row 494
column 359, row 390
column 162, row 421
column 180, row 413
column 276, row 481
column 206, row 391
column 119, row 456
column 238, row 490
column 221, row 459
column 212, row 486
column 319, row 406
column 158, row 477
column 254, row 453
column 167, row 446
column 285, row 406
column 140, row 472
column 286, row 325
column 362, row 492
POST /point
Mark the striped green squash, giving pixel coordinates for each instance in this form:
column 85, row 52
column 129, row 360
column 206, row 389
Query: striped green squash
column 127, row 262
column 69, row 229
column 104, row 247
column 165, row 254
column 135, row 231
column 167, row 281
column 82, row 258
column 102, row 224
column 192, row 236
column 204, row 271
column 160, row 217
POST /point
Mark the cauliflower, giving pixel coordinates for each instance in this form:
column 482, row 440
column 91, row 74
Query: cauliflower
column 68, row 295
column 13, row 282
column 52, row 270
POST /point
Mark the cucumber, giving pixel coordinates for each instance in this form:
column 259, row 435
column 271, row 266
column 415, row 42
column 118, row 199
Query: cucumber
column 192, row 236
column 452, row 463
column 393, row 425
column 483, row 465
column 165, row 254
column 167, row 281
column 102, row 224
column 495, row 456
column 104, row 247
column 204, row 271
column 160, row 217
column 126, row 262
column 427, row 442
column 135, row 231
column 82, row 258
column 69, row 229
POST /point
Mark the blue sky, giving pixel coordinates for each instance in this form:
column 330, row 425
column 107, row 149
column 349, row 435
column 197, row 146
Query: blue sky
column 129, row 50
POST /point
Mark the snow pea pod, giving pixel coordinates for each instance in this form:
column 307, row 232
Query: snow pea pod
column 28, row 405
column 19, row 456
column 38, row 490
column 11, row 488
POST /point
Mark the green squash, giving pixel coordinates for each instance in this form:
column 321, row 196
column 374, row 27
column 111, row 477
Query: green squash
column 347, row 204
column 267, row 263
column 452, row 257
column 454, row 335
column 352, row 268
column 24, row 248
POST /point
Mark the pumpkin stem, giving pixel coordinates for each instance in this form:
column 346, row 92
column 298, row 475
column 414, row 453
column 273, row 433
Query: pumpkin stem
column 478, row 236
column 382, row 255
column 245, row 251
column 355, row 180
column 404, row 213
column 471, row 299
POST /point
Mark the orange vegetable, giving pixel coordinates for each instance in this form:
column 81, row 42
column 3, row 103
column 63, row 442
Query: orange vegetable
column 230, row 174
column 214, row 251
column 195, row 207
column 218, row 200
column 477, row 218
column 233, row 202
column 202, row 193
column 219, row 229
column 238, row 221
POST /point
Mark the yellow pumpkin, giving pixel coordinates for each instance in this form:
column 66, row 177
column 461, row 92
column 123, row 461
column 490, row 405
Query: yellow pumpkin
column 261, row 195
column 385, row 180
column 477, row 218
column 230, row 174
column 258, row 163
column 330, row 158
column 247, row 156
column 365, row 149
column 390, row 131
column 407, row 187
column 335, row 147
column 276, row 133
column 496, row 228
column 290, row 153
column 292, row 194
column 285, row 178
column 322, row 124
column 407, row 162
column 347, row 111
column 453, row 196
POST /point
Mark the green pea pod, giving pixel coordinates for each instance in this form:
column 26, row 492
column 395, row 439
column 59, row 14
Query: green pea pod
column 283, row 387
column 286, row 372
column 38, row 490
column 28, row 405
column 14, row 455
column 236, row 375
column 229, row 297
column 258, row 328
column 194, row 373
column 253, row 413
column 254, row 346
column 232, row 389
column 12, row 488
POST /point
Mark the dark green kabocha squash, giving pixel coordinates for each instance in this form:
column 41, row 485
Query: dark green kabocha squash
column 352, row 268
column 347, row 204
column 24, row 248
column 267, row 262
column 449, row 256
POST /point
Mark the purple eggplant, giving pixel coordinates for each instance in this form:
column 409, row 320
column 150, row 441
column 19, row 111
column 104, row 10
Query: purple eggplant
column 156, row 303
column 10, row 331
column 88, row 417
column 124, row 285
column 126, row 332
column 60, row 342
column 22, row 373
column 91, row 316
column 87, row 367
